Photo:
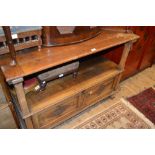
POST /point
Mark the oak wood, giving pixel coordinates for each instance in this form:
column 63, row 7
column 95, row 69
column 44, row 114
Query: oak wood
column 14, row 114
column 23, row 103
column 56, row 113
column 97, row 93
column 35, row 61
column 29, row 123
column 122, row 62
column 96, row 80
column 63, row 110
column 125, row 54
column 21, row 98
column 90, row 72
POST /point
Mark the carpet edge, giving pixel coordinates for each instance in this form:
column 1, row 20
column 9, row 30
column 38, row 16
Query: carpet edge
column 141, row 115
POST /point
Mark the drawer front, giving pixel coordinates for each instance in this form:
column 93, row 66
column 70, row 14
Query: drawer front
column 56, row 114
column 97, row 92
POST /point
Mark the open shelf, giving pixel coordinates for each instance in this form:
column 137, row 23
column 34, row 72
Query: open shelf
column 91, row 72
column 33, row 60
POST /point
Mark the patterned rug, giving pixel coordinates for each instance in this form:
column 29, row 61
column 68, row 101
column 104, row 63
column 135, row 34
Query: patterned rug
column 121, row 115
column 145, row 103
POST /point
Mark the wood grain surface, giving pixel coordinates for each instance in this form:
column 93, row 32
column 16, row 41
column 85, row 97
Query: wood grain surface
column 36, row 60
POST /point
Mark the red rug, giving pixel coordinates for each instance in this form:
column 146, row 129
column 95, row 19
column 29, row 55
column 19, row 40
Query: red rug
column 145, row 102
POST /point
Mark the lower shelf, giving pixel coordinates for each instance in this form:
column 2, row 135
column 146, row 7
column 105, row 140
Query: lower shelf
column 72, row 105
column 67, row 96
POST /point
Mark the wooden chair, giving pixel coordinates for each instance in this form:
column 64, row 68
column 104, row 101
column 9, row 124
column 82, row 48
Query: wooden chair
column 22, row 37
column 8, row 53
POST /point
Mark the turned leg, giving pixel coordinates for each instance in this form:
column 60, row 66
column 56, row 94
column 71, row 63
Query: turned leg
column 18, row 84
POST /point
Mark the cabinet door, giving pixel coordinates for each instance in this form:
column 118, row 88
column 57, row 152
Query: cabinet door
column 135, row 55
column 148, row 54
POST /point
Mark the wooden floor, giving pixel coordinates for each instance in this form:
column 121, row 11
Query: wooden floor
column 129, row 87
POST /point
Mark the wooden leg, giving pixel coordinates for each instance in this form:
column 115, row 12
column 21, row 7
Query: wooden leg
column 21, row 98
column 28, row 123
column 122, row 62
column 125, row 53
column 23, row 103
column 117, row 81
column 14, row 115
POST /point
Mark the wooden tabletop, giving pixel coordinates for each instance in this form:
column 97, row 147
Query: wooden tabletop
column 34, row 60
